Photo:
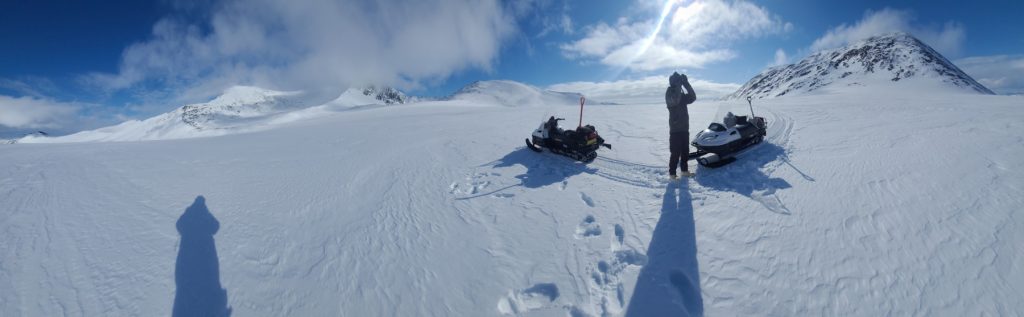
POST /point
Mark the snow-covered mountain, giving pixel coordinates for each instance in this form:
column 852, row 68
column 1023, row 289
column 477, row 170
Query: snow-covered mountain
column 386, row 95
column 879, row 60
column 238, row 109
column 246, row 109
column 513, row 94
column 37, row 134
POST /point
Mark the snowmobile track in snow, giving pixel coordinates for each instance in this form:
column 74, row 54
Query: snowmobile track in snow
column 629, row 173
column 642, row 175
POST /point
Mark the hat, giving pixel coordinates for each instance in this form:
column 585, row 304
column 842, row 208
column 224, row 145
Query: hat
column 675, row 79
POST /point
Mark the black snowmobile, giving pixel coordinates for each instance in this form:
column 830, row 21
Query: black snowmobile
column 580, row 144
column 719, row 144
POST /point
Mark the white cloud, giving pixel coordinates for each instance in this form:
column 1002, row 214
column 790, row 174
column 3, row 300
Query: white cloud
column 315, row 44
column 544, row 14
column 705, row 23
column 1002, row 73
column 602, row 39
column 644, row 90
column 566, row 24
column 780, row 58
column 34, row 113
column 29, row 86
column 692, row 35
column 661, row 56
column 947, row 39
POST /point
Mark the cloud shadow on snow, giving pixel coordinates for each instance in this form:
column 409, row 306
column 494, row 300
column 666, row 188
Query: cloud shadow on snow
column 197, row 271
column 745, row 177
column 669, row 284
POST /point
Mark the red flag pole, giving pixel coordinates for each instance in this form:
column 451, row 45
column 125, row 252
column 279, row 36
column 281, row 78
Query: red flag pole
column 582, row 99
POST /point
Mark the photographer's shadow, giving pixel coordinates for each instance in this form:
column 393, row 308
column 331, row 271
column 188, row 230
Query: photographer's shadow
column 669, row 284
column 197, row 271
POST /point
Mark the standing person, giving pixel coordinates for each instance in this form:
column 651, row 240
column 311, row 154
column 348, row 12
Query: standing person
column 679, row 122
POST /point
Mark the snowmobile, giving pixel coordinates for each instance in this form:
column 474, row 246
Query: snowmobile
column 580, row 144
column 719, row 144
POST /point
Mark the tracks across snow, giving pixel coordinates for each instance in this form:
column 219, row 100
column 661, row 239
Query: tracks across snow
column 603, row 267
column 419, row 228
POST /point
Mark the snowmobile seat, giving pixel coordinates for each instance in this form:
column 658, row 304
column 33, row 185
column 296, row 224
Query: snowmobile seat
column 585, row 130
column 741, row 120
column 747, row 130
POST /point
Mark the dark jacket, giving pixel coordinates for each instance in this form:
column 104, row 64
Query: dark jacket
column 676, row 100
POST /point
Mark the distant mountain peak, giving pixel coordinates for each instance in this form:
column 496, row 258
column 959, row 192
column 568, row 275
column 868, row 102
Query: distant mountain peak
column 237, row 109
column 387, row 95
column 513, row 94
column 237, row 104
column 37, row 134
column 889, row 57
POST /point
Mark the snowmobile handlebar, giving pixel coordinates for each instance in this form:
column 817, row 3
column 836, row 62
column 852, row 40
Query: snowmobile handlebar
column 750, row 103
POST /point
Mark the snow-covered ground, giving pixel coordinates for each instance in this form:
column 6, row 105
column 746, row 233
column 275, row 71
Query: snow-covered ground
column 861, row 202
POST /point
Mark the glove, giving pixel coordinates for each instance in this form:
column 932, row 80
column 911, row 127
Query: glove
column 683, row 78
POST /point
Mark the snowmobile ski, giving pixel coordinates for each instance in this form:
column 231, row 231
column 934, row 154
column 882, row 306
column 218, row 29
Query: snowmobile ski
column 530, row 145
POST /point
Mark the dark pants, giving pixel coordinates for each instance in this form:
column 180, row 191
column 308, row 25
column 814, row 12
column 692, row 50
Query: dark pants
column 678, row 145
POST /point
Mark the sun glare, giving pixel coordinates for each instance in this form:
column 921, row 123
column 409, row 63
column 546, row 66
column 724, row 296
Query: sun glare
column 646, row 43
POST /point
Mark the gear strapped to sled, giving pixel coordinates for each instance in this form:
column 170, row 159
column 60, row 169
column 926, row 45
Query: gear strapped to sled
column 580, row 144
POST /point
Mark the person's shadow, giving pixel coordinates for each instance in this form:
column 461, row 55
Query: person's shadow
column 669, row 284
column 197, row 271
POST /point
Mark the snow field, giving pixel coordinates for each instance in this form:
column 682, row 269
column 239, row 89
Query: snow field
column 880, row 202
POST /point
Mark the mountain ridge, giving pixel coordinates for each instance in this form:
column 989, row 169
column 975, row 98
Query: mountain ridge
column 515, row 94
column 891, row 57
column 246, row 108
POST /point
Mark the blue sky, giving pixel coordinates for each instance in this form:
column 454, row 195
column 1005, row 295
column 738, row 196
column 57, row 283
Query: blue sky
column 72, row 65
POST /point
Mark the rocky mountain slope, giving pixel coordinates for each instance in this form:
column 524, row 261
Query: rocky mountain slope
column 891, row 58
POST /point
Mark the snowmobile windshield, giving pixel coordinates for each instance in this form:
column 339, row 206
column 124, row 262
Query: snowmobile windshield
column 560, row 121
column 738, row 107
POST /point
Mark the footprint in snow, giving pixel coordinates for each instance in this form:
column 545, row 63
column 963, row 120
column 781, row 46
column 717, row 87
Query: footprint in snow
column 620, row 234
column 540, row 295
column 586, row 199
column 607, row 286
column 588, row 228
